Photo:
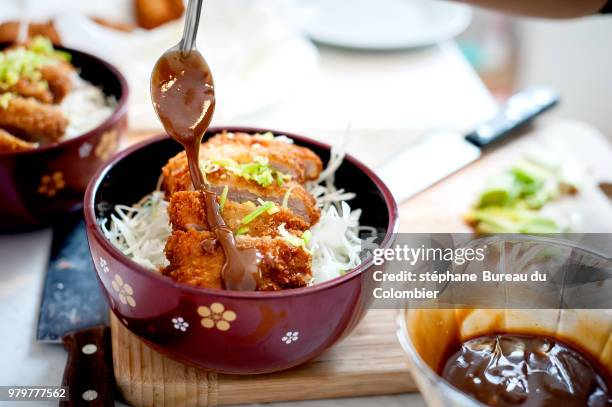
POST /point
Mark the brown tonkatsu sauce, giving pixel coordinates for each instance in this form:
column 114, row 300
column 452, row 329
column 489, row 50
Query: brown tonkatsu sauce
column 526, row 370
column 183, row 95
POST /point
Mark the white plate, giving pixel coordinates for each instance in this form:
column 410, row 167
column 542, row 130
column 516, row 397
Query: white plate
column 382, row 24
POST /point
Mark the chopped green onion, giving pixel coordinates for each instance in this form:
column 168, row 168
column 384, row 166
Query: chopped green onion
column 223, row 198
column 5, row 99
column 23, row 62
column 272, row 210
column 242, row 231
column 294, row 240
column 43, row 46
column 258, row 170
column 260, row 210
column 225, row 162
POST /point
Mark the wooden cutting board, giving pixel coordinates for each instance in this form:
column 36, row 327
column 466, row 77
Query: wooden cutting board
column 370, row 361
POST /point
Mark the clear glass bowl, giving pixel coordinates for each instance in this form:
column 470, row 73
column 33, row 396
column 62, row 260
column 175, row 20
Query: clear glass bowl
column 427, row 334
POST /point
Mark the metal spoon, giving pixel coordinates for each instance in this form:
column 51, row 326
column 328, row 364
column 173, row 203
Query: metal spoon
column 190, row 30
column 182, row 92
column 180, row 73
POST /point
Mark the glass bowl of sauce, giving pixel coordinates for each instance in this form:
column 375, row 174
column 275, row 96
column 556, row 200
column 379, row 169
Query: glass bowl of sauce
column 531, row 356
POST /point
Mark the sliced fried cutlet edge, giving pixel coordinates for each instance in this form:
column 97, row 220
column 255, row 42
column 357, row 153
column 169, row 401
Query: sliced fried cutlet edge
column 32, row 120
column 187, row 211
column 10, row 143
column 176, row 178
column 59, row 78
column 197, row 259
column 300, row 162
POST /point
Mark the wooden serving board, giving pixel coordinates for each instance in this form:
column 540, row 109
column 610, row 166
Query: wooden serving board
column 370, row 361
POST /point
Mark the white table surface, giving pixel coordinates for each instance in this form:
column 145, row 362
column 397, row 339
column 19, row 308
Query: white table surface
column 404, row 91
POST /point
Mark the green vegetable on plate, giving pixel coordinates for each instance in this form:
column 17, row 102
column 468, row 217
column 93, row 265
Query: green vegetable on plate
column 511, row 201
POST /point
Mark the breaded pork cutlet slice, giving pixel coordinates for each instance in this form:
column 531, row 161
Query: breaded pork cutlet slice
column 56, row 83
column 59, row 79
column 31, row 120
column 187, row 211
column 10, row 143
column 299, row 162
column 196, row 258
column 242, row 189
column 176, row 178
column 32, row 89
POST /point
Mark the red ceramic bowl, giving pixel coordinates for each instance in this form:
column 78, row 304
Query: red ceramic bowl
column 228, row 331
column 39, row 186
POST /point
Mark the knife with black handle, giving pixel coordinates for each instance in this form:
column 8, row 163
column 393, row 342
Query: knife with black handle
column 441, row 154
column 73, row 311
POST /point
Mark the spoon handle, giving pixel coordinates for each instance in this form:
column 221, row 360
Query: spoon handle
column 192, row 19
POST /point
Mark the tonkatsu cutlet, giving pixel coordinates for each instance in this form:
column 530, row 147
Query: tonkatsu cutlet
column 299, row 201
column 187, row 211
column 260, row 205
column 257, row 182
column 58, row 77
column 34, row 89
column 10, row 143
column 196, row 258
column 31, row 120
column 54, row 84
column 299, row 162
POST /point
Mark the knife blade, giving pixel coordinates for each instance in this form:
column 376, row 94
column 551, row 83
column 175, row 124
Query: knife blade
column 74, row 312
column 441, row 154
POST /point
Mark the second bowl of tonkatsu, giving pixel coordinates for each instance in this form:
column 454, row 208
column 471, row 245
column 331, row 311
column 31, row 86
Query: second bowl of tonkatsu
column 62, row 113
column 305, row 211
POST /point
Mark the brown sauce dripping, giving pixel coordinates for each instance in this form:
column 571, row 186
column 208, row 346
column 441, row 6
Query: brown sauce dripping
column 526, row 370
column 183, row 94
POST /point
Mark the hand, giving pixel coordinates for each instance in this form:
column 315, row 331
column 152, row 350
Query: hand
column 543, row 8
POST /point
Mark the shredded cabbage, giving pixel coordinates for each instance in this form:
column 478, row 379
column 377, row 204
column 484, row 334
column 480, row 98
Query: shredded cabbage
column 335, row 244
column 141, row 231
